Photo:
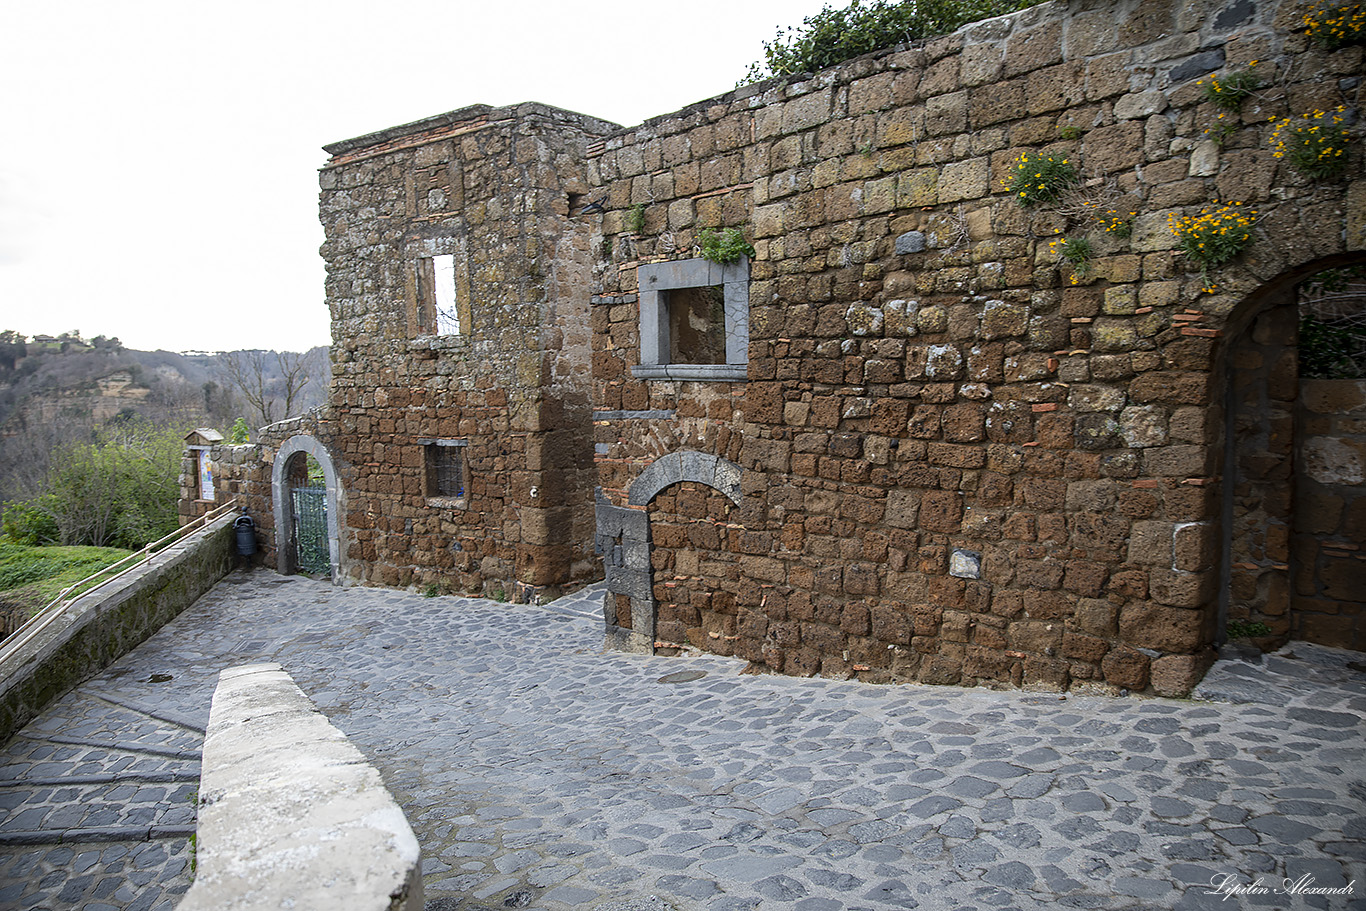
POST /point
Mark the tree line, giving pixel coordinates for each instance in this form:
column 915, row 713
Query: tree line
column 69, row 477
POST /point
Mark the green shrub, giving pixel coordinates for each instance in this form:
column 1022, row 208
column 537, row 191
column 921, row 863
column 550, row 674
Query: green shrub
column 724, row 247
column 31, row 522
column 119, row 492
column 835, row 35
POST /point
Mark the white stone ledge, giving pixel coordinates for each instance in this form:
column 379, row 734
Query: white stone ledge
column 291, row 815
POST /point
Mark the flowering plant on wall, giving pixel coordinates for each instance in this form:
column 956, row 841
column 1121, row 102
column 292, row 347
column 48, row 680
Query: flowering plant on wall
column 1315, row 144
column 1113, row 221
column 1077, row 252
column 1214, row 237
column 1227, row 93
column 1335, row 24
column 1038, row 178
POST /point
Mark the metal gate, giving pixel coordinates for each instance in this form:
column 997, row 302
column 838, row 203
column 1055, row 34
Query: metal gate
column 310, row 529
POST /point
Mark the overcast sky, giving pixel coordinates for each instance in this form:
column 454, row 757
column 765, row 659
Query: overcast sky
column 158, row 169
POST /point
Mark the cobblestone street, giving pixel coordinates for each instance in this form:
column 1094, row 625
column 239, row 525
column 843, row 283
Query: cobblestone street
column 538, row 771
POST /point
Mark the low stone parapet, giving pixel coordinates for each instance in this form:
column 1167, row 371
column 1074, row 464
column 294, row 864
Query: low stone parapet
column 291, row 814
column 102, row 626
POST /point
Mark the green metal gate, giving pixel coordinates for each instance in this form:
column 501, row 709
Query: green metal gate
column 310, row 529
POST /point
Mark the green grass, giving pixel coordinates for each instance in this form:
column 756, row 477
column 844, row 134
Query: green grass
column 33, row 576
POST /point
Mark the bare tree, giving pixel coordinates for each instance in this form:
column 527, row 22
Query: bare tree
column 264, row 384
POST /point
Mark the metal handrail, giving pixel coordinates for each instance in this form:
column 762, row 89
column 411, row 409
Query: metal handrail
column 57, row 606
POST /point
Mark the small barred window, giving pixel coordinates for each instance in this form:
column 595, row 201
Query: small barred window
column 446, row 469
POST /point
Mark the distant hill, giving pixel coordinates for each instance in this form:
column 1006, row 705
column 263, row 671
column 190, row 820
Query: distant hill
column 61, row 389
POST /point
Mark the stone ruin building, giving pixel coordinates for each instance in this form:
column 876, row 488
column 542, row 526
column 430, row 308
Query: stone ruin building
column 904, row 439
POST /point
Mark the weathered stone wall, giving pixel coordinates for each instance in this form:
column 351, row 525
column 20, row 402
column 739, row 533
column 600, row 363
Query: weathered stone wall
column 239, row 473
column 1329, row 602
column 492, row 188
column 960, row 465
column 908, row 439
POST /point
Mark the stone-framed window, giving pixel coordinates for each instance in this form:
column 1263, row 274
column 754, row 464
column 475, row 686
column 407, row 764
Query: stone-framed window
column 447, row 479
column 694, row 320
column 438, row 309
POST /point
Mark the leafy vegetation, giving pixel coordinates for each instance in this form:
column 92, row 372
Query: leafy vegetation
column 56, row 393
column 118, row 492
column 724, row 247
column 1242, row 629
column 1077, row 251
column 1334, row 25
column 1330, row 351
column 1314, row 144
column 1332, row 340
column 835, row 35
column 1215, row 236
column 1039, row 178
column 1227, row 93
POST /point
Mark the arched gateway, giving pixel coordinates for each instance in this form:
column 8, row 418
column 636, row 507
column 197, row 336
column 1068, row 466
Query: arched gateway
column 306, row 511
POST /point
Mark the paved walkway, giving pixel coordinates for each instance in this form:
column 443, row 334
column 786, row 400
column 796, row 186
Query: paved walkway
column 540, row 772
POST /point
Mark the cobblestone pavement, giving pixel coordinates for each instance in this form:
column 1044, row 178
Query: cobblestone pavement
column 540, row 772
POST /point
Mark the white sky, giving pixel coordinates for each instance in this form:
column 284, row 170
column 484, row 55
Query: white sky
column 158, row 160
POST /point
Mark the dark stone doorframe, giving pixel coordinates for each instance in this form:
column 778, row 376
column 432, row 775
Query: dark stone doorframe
column 623, row 539
column 286, row 556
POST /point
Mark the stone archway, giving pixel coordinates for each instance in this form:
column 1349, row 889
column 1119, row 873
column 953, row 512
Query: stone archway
column 1294, row 495
column 623, row 539
column 288, row 462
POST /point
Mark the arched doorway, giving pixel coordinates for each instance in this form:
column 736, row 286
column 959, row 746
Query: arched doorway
column 695, row 555
column 709, row 486
column 306, row 495
column 1294, row 495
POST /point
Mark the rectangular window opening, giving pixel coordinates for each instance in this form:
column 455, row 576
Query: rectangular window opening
column 694, row 321
column 446, row 469
column 697, row 325
column 438, row 309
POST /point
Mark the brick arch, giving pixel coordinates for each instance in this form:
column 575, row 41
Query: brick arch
column 687, row 465
column 303, row 444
